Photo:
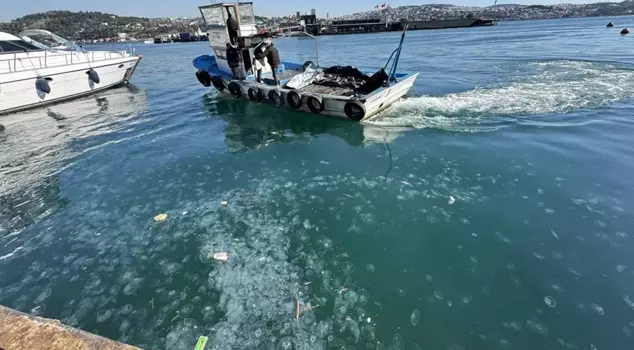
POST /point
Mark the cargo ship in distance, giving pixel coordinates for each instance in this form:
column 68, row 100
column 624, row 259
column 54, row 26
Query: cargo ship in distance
column 311, row 25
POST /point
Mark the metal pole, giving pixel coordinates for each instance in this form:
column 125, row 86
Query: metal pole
column 317, row 43
column 398, row 54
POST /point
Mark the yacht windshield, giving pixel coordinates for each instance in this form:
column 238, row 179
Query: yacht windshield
column 16, row 46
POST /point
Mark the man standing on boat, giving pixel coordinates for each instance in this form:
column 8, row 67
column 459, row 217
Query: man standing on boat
column 232, row 28
column 233, row 59
column 260, row 60
column 266, row 52
column 273, row 56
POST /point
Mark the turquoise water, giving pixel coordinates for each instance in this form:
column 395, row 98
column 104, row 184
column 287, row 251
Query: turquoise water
column 487, row 210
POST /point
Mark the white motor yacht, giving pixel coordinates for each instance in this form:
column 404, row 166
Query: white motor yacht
column 38, row 67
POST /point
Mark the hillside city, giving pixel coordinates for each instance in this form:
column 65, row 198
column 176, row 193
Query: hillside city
column 97, row 26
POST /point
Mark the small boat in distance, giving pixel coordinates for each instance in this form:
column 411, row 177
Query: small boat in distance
column 341, row 91
column 38, row 67
column 162, row 40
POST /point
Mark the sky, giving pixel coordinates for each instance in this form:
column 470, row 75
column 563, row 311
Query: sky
column 170, row 8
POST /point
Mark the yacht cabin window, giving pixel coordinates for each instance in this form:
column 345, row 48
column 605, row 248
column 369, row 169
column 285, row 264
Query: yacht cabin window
column 16, row 46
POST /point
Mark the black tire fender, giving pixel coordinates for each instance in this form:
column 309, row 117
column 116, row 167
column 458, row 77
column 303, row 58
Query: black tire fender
column 235, row 89
column 354, row 110
column 294, row 99
column 217, row 83
column 315, row 103
column 203, row 78
column 254, row 94
column 275, row 97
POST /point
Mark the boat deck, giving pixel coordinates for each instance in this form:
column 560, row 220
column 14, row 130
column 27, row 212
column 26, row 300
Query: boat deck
column 327, row 90
column 288, row 74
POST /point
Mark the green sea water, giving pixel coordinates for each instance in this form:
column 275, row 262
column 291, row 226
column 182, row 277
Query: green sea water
column 488, row 210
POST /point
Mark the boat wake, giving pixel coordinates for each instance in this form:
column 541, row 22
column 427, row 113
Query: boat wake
column 556, row 87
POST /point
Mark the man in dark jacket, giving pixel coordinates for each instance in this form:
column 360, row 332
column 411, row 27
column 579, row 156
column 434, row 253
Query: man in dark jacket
column 233, row 59
column 232, row 28
column 273, row 56
column 260, row 61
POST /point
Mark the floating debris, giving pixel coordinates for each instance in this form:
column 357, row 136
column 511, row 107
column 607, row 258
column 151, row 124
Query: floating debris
column 452, row 200
column 550, row 301
column 224, row 203
column 554, row 234
column 621, row 268
column 309, row 307
column 160, row 217
column 202, row 341
column 537, row 326
column 598, row 309
column 297, row 309
column 414, row 317
column 220, row 256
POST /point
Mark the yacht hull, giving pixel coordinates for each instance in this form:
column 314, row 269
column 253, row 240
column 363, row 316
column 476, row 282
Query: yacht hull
column 19, row 90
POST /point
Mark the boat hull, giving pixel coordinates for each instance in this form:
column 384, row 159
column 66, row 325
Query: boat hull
column 333, row 105
column 18, row 90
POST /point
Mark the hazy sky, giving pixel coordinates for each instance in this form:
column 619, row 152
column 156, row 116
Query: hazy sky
column 171, row 8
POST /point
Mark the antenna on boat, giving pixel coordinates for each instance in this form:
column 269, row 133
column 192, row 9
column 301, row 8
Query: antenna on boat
column 396, row 54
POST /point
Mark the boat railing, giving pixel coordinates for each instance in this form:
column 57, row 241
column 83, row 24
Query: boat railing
column 395, row 56
column 15, row 62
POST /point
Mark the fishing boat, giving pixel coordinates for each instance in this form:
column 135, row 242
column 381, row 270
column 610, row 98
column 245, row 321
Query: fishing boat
column 341, row 91
column 38, row 67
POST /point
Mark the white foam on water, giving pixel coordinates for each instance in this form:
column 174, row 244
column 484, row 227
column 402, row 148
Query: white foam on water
column 556, row 87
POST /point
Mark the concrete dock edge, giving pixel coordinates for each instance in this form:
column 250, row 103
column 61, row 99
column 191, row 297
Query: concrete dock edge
column 23, row 331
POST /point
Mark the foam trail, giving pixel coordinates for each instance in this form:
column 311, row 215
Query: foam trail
column 557, row 87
